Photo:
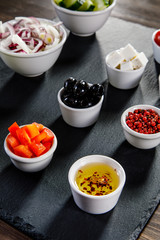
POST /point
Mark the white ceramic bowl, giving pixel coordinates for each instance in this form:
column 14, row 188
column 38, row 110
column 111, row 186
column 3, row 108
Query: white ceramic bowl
column 79, row 117
column 96, row 204
column 140, row 140
column 33, row 64
column 31, row 164
column 83, row 23
column 156, row 48
column 123, row 79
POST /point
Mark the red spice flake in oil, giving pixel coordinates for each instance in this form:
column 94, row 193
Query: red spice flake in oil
column 97, row 180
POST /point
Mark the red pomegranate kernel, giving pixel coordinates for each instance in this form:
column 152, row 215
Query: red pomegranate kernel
column 146, row 121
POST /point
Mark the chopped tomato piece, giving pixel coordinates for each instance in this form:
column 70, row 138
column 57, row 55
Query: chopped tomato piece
column 12, row 141
column 23, row 151
column 47, row 145
column 39, row 126
column 49, row 136
column 40, row 137
column 32, row 130
column 23, row 136
column 13, row 128
column 37, row 148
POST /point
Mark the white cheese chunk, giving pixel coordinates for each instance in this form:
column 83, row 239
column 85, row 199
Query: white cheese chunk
column 126, row 66
column 128, row 52
column 139, row 61
column 114, row 59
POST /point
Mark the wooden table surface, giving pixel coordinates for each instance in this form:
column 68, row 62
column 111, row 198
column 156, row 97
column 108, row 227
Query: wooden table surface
column 145, row 12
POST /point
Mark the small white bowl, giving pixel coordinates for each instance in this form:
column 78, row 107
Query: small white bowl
column 156, row 48
column 140, row 140
column 33, row 64
column 83, row 23
column 31, row 164
column 123, row 79
column 79, row 117
column 96, row 204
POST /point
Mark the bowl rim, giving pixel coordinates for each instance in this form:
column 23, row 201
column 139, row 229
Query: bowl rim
column 104, row 158
column 83, row 13
column 31, row 160
column 153, row 35
column 132, row 132
column 122, row 71
column 37, row 54
column 77, row 109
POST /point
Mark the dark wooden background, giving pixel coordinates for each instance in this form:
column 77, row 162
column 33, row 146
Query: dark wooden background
column 145, row 12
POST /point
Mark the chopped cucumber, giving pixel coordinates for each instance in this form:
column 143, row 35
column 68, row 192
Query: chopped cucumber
column 60, row 3
column 84, row 5
column 73, row 4
column 87, row 6
column 101, row 4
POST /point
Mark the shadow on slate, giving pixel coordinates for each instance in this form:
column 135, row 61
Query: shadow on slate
column 16, row 91
column 76, row 47
column 112, row 103
column 136, row 162
column 69, row 138
column 72, row 223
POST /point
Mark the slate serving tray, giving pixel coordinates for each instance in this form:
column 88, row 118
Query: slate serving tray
column 40, row 204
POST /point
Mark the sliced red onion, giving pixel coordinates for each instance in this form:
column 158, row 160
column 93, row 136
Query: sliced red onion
column 29, row 35
column 38, row 46
column 20, row 42
column 4, row 35
column 8, row 26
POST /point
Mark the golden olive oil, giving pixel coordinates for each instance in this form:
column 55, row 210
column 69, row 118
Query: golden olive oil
column 97, row 179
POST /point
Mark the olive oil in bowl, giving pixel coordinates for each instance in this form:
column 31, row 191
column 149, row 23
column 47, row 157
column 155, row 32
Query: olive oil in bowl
column 97, row 179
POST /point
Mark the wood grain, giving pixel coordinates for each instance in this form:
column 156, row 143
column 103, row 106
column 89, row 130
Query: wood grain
column 9, row 233
column 145, row 12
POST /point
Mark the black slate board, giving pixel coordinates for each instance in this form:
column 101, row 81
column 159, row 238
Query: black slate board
column 40, row 204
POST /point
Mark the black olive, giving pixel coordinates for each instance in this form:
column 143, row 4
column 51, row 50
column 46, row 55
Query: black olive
column 97, row 90
column 78, row 94
column 69, row 84
column 95, row 100
column 65, row 94
column 84, row 102
column 80, row 88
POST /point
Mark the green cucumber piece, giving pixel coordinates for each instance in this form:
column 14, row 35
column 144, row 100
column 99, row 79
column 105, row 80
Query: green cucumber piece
column 60, row 2
column 73, row 4
column 101, row 4
column 87, row 6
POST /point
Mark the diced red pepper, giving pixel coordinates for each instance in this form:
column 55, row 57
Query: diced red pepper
column 49, row 137
column 23, row 151
column 12, row 141
column 40, row 137
column 13, row 128
column 48, row 146
column 32, row 130
column 39, row 126
column 23, row 136
column 31, row 140
column 37, row 148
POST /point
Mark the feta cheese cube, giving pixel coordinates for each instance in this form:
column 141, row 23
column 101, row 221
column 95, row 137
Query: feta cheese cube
column 114, row 59
column 139, row 61
column 128, row 52
column 126, row 66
